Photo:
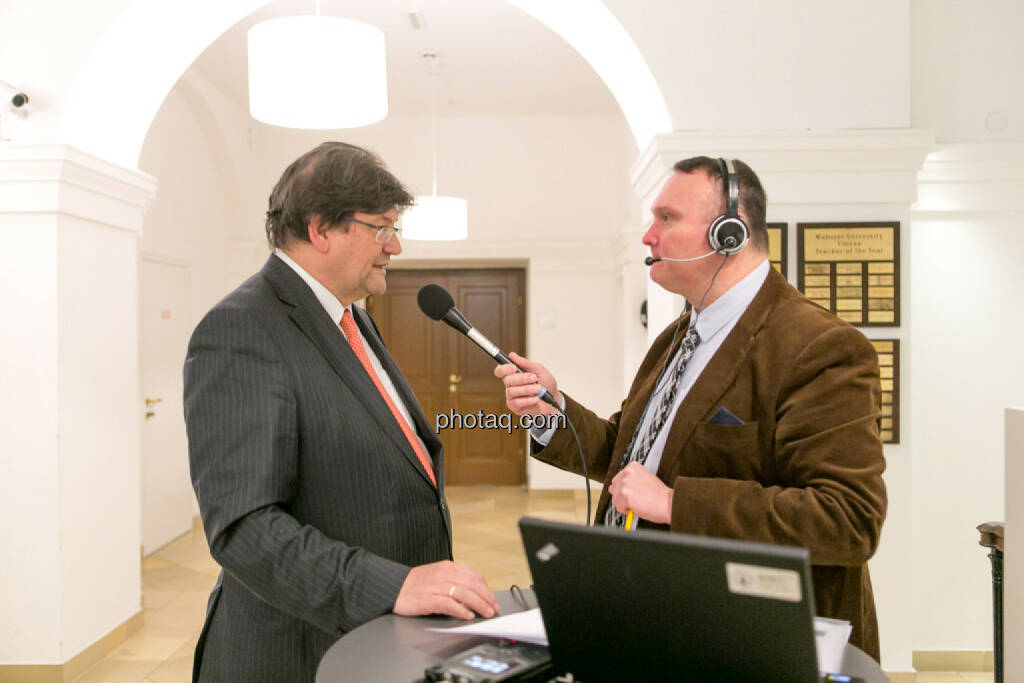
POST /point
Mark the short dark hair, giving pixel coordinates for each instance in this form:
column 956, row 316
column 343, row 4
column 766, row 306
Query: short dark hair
column 335, row 180
column 753, row 201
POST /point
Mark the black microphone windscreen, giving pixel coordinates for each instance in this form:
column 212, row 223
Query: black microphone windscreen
column 434, row 301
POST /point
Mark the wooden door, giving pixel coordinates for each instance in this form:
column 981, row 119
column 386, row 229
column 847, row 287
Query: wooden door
column 452, row 377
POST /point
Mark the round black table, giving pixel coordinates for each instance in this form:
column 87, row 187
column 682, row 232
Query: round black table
column 394, row 649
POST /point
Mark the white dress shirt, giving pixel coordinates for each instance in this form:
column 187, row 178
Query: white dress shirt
column 714, row 324
column 335, row 309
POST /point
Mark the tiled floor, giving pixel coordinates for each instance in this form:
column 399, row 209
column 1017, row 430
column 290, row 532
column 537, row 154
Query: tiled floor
column 176, row 581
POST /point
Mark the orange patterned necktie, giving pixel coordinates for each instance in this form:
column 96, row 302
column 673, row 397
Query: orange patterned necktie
column 348, row 325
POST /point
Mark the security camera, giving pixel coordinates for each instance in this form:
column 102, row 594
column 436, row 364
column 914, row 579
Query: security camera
column 16, row 99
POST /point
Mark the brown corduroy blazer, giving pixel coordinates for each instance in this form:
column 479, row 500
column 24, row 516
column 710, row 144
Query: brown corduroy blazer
column 805, row 468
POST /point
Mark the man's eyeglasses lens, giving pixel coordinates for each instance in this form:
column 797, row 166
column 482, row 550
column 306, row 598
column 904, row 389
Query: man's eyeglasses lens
column 384, row 232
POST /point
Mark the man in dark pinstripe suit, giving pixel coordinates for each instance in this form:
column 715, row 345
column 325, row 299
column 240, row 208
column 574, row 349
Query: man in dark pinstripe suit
column 318, row 477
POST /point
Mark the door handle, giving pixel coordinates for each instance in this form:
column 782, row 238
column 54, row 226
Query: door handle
column 153, row 401
column 455, row 379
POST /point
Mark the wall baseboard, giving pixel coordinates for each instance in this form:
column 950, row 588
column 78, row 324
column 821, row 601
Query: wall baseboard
column 953, row 660
column 77, row 665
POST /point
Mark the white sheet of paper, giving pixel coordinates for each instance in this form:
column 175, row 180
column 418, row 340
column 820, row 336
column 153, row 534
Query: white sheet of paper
column 830, row 637
column 525, row 626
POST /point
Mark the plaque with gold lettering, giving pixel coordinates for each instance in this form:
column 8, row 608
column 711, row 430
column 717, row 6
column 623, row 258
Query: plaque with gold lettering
column 889, row 367
column 852, row 269
column 778, row 247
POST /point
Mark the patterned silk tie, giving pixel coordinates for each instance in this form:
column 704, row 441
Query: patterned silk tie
column 646, row 439
column 348, row 325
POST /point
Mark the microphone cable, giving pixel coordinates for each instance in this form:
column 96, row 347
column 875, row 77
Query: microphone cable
column 579, row 449
column 583, row 462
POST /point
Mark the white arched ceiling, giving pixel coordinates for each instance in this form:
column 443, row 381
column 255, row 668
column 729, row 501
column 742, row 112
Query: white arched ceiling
column 153, row 42
column 133, row 68
column 593, row 31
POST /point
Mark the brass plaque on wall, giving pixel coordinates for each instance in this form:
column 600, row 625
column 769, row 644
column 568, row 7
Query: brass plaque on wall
column 778, row 247
column 889, row 367
column 852, row 269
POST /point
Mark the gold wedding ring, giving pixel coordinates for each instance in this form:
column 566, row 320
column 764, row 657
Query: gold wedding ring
column 451, row 592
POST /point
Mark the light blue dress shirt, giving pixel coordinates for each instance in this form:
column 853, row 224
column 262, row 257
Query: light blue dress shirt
column 714, row 324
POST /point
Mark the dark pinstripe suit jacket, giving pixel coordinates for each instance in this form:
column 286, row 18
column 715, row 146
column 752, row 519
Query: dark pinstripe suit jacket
column 313, row 502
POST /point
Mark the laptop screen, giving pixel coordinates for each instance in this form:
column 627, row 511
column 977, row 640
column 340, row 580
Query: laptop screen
column 650, row 605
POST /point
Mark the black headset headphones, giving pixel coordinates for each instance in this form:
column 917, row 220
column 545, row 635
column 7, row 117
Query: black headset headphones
column 729, row 234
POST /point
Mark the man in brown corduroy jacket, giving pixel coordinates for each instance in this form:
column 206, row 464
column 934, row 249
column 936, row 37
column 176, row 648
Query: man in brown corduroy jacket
column 759, row 422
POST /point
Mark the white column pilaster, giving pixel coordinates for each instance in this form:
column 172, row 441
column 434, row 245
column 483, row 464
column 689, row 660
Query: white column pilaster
column 69, row 400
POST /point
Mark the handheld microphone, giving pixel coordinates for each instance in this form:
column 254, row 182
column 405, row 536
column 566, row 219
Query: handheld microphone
column 437, row 303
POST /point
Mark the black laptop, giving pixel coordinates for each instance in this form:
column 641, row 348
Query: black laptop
column 655, row 606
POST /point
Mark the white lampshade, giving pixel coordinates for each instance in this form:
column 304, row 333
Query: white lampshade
column 436, row 218
column 317, row 72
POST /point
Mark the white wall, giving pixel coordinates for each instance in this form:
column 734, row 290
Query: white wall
column 966, row 61
column 543, row 179
column 197, row 208
column 584, row 347
column 966, row 251
column 966, row 365
column 789, row 64
column 44, row 58
column 199, row 202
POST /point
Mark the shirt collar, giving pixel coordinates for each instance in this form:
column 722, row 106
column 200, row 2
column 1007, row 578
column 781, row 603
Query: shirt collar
column 731, row 305
column 335, row 309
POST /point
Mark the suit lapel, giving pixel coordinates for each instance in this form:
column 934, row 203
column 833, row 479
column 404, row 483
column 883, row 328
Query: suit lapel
column 721, row 371
column 310, row 317
column 434, row 447
column 420, row 422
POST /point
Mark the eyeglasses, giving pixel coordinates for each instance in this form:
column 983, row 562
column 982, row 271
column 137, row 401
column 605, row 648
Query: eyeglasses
column 384, row 232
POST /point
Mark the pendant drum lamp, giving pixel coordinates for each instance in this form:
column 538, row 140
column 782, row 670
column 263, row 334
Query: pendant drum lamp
column 434, row 217
column 317, row 72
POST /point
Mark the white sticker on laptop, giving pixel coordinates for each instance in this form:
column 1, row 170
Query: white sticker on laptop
column 763, row 582
column 547, row 552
